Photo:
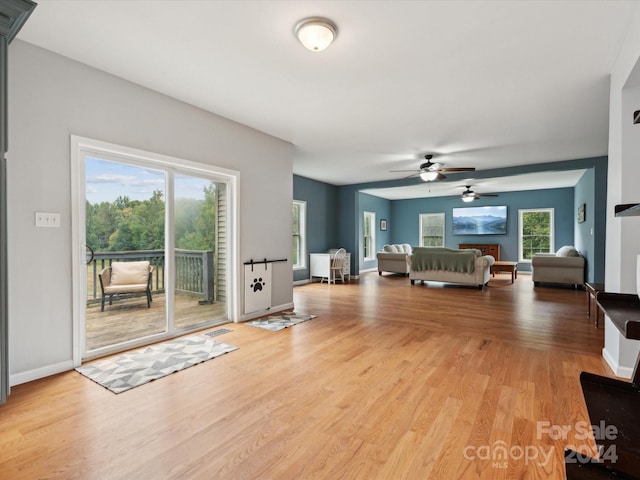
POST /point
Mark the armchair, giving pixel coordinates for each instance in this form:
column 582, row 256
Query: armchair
column 394, row 258
column 564, row 266
column 126, row 277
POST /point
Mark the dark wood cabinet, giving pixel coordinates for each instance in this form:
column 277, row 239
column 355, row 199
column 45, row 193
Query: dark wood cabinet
column 612, row 403
column 492, row 249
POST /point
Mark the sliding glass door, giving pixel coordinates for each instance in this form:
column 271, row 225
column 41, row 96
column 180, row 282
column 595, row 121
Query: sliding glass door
column 155, row 236
column 199, row 252
column 125, row 222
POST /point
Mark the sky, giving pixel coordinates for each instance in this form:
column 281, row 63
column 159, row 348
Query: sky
column 105, row 181
column 475, row 211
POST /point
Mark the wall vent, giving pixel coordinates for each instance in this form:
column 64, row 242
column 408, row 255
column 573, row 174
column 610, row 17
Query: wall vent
column 636, row 116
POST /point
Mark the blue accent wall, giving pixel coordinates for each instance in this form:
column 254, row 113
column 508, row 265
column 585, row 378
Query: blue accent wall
column 322, row 225
column 405, row 213
column 349, row 212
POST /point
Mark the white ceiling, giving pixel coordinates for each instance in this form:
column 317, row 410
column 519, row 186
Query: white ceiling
column 485, row 84
column 512, row 183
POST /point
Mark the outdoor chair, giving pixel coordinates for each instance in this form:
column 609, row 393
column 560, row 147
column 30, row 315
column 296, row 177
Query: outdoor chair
column 126, row 277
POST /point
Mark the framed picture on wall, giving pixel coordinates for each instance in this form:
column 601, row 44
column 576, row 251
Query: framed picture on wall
column 383, row 225
column 582, row 212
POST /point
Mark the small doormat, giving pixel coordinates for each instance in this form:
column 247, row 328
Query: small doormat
column 135, row 368
column 274, row 323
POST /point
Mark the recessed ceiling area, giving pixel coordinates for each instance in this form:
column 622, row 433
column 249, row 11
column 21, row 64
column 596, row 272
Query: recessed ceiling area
column 512, row 183
column 483, row 84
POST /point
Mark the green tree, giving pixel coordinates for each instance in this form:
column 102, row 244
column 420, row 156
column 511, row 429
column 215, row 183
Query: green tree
column 536, row 233
column 130, row 225
column 206, row 222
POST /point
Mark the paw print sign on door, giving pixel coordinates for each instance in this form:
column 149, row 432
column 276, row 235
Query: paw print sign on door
column 257, row 287
column 257, row 284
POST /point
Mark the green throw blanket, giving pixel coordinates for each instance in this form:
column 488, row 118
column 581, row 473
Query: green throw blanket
column 435, row 258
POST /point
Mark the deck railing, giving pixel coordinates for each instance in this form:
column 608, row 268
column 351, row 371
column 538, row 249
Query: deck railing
column 194, row 271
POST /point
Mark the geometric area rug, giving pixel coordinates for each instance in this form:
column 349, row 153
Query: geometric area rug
column 137, row 367
column 275, row 323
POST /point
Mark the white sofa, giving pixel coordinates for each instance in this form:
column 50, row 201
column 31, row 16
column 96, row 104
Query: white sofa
column 564, row 266
column 478, row 274
column 394, row 258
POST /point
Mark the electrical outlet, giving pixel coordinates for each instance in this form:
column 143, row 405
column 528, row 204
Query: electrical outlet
column 46, row 219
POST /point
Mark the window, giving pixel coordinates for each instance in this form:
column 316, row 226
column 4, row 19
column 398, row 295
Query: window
column 369, row 231
column 299, row 254
column 535, row 231
column 432, row 229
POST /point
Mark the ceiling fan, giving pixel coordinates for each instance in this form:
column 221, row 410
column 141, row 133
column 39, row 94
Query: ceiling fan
column 469, row 195
column 430, row 171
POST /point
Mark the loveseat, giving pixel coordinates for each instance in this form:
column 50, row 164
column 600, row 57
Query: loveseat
column 394, row 258
column 467, row 267
column 564, row 266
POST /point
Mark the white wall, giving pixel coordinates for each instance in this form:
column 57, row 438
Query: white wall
column 624, row 169
column 51, row 98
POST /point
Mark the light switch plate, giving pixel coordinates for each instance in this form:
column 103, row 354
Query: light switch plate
column 47, row 219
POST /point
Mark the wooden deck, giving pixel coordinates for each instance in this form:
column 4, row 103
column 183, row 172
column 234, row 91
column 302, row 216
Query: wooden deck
column 129, row 318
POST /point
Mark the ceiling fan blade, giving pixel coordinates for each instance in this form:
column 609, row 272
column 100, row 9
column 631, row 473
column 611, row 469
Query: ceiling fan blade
column 440, row 176
column 457, row 169
column 487, row 195
column 413, row 170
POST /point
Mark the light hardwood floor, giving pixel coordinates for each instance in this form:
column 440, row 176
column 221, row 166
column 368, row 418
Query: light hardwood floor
column 390, row 381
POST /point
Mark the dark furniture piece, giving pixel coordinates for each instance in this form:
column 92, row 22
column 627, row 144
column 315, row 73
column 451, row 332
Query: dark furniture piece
column 509, row 267
column 613, row 403
column 492, row 249
column 593, row 289
column 627, row 210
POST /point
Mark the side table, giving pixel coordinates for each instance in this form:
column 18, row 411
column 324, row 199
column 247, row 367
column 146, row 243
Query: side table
column 503, row 266
column 592, row 290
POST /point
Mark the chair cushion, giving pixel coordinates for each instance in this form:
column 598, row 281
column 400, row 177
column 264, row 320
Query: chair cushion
column 129, row 273
column 113, row 289
column 397, row 248
column 567, row 251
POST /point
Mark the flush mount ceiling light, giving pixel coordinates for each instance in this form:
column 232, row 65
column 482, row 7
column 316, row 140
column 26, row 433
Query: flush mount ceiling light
column 316, row 33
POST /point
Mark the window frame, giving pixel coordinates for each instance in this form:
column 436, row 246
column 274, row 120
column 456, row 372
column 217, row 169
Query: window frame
column 521, row 212
column 421, row 216
column 302, row 234
column 372, row 228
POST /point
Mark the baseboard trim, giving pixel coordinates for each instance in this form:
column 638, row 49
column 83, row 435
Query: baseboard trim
column 38, row 373
column 301, row 282
column 266, row 311
column 622, row 372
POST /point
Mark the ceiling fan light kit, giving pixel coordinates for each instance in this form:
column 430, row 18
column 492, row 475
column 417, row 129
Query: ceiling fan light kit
column 316, row 33
column 430, row 171
column 429, row 175
column 468, row 198
column 469, row 195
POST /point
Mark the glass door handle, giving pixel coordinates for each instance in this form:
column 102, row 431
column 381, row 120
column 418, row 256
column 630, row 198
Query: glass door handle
column 92, row 254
